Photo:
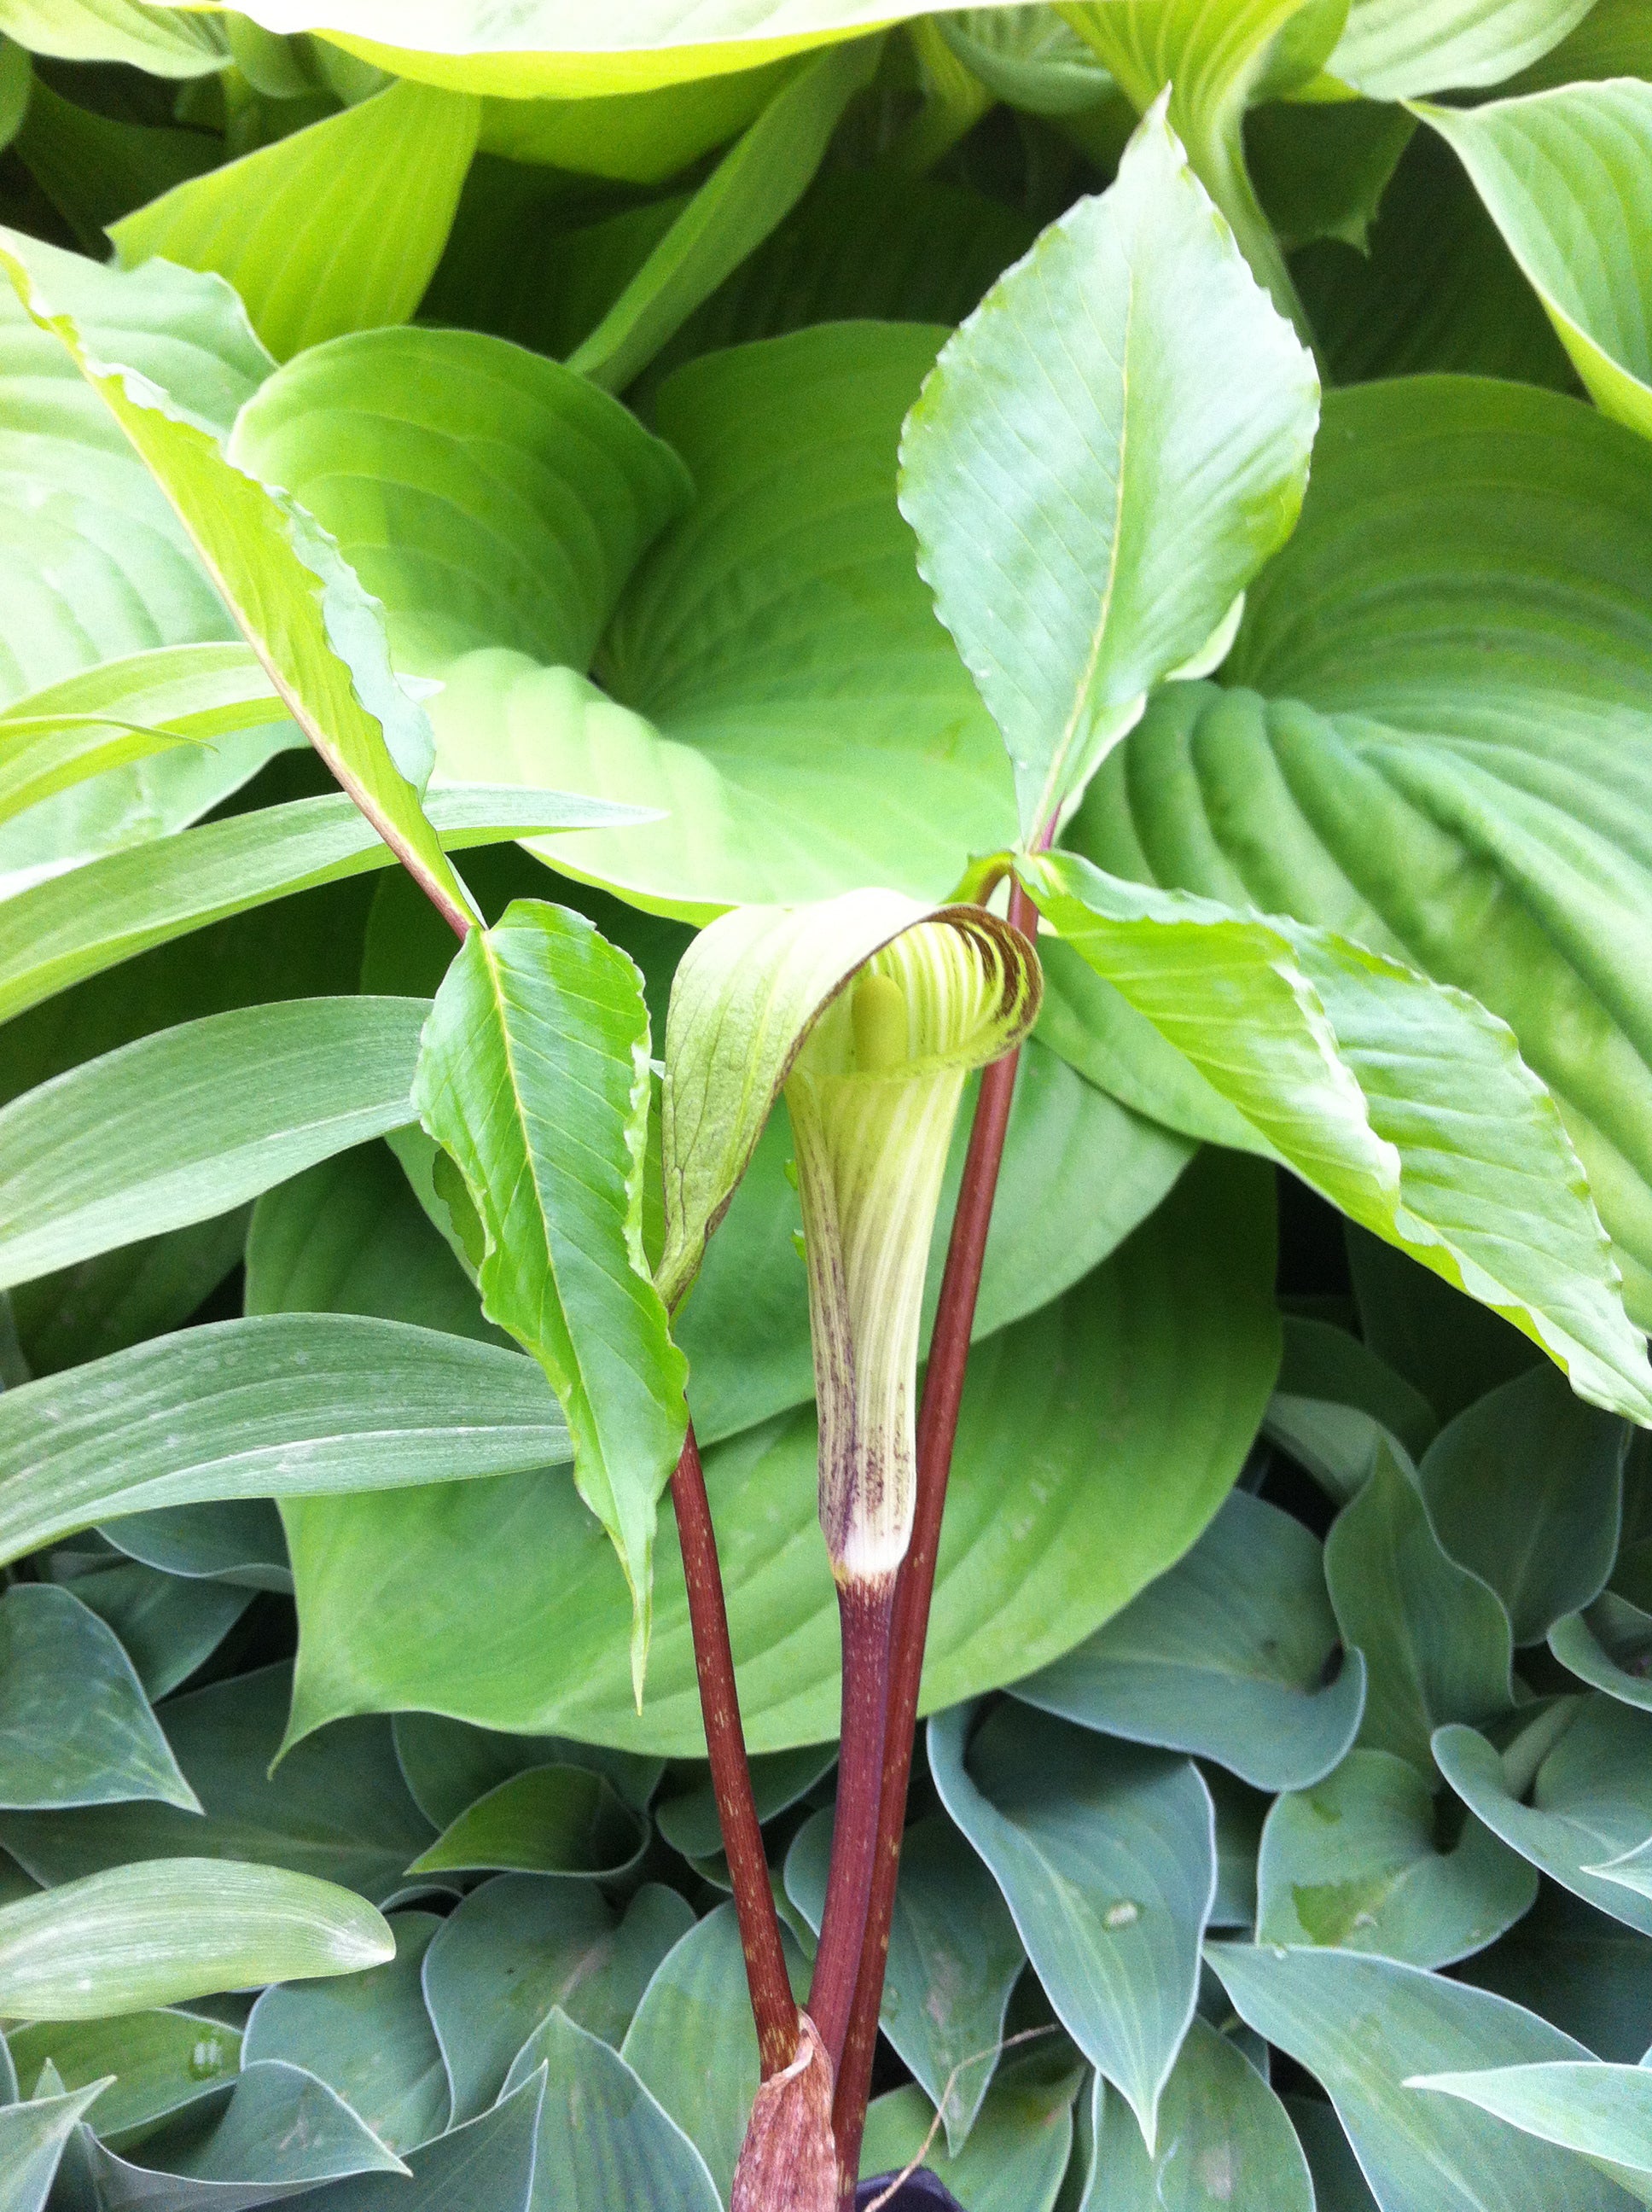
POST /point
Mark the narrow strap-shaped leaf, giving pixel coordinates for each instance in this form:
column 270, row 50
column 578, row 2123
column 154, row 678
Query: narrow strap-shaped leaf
column 1603, row 2112
column 534, row 1077
column 302, row 609
column 281, row 1406
column 190, row 1121
column 1401, row 1101
column 160, row 1930
column 59, row 932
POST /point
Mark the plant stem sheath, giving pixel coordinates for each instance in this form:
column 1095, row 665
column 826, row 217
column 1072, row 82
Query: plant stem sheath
column 865, row 1610
column 772, row 2006
column 937, row 1427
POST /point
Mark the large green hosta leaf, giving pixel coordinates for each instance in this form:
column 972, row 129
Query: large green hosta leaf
column 339, row 228
column 534, row 1077
column 165, row 41
column 1406, row 1105
column 301, row 607
column 1114, row 1421
column 1438, row 742
column 1100, row 462
column 1564, row 175
column 1391, row 49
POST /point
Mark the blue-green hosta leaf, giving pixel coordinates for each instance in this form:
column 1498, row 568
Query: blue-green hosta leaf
column 281, row 2131
column 1526, row 1491
column 261, row 1407
column 1451, row 761
column 752, row 188
column 59, row 932
column 603, row 2138
column 1580, row 1968
column 1437, row 1640
column 773, row 658
column 1591, row 1800
column 1562, row 173
column 691, row 2042
column 1100, row 462
column 1019, row 2149
column 155, row 2063
column 486, row 2166
column 1336, row 1397
column 1404, row 1103
column 32, row 2139
column 1365, row 2027
column 1225, row 2139
column 954, row 1957
column 547, row 1819
column 1449, row 1351
column 516, row 1948
column 337, row 227
column 172, row 696
column 165, row 41
column 448, row 1766
column 1608, row 1647
column 1106, row 1855
column 142, row 1934
column 235, row 1540
column 1117, row 1419
column 1393, row 48
column 1602, row 2112
column 188, row 1123
column 75, row 1727
column 300, row 605
column 1353, row 1862
column 168, row 1625
column 533, row 1076
column 488, row 496
column 368, row 2036
column 1226, row 1656
column 337, row 1809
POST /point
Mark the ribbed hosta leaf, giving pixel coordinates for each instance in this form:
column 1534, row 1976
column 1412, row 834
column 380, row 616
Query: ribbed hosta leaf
column 1438, row 740
column 163, row 41
column 1604, row 2113
column 1564, row 175
column 1391, row 49
column 334, row 228
column 1097, row 467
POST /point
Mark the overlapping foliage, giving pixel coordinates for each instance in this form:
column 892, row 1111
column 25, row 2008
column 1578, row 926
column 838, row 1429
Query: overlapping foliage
column 561, row 427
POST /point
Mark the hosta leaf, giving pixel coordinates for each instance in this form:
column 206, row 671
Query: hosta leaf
column 1354, row 1862
column 750, row 190
column 642, row 137
column 486, row 2165
column 1591, row 1800
column 184, row 1125
column 1437, row 1640
column 1449, row 761
column 150, row 1934
column 533, row 1076
column 1365, row 2026
column 32, row 2139
column 486, row 496
column 1602, row 2112
column 1118, row 1418
column 75, row 1727
column 1561, row 173
column 1450, row 1352
column 155, row 2063
column 517, row 1946
column 258, row 1408
column 691, row 2042
column 1093, row 484
column 59, row 932
column 547, row 1821
column 1607, row 1647
column 178, row 696
column 1106, row 1855
column 1227, row 1655
column 233, row 1540
column 1406, row 1104
column 448, row 1766
column 1526, row 1491
column 774, row 657
column 337, row 1809
column 603, row 2138
column 300, row 606
column 954, row 1957
column 1612, row 40
column 368, row 2036
column 166, row 1625
column 1019, row 2149
column 1226, row 2137
column 166, row 41
column 1583, row 1970
column 1391, row 49
column 281, row 2131
column 337, row 227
